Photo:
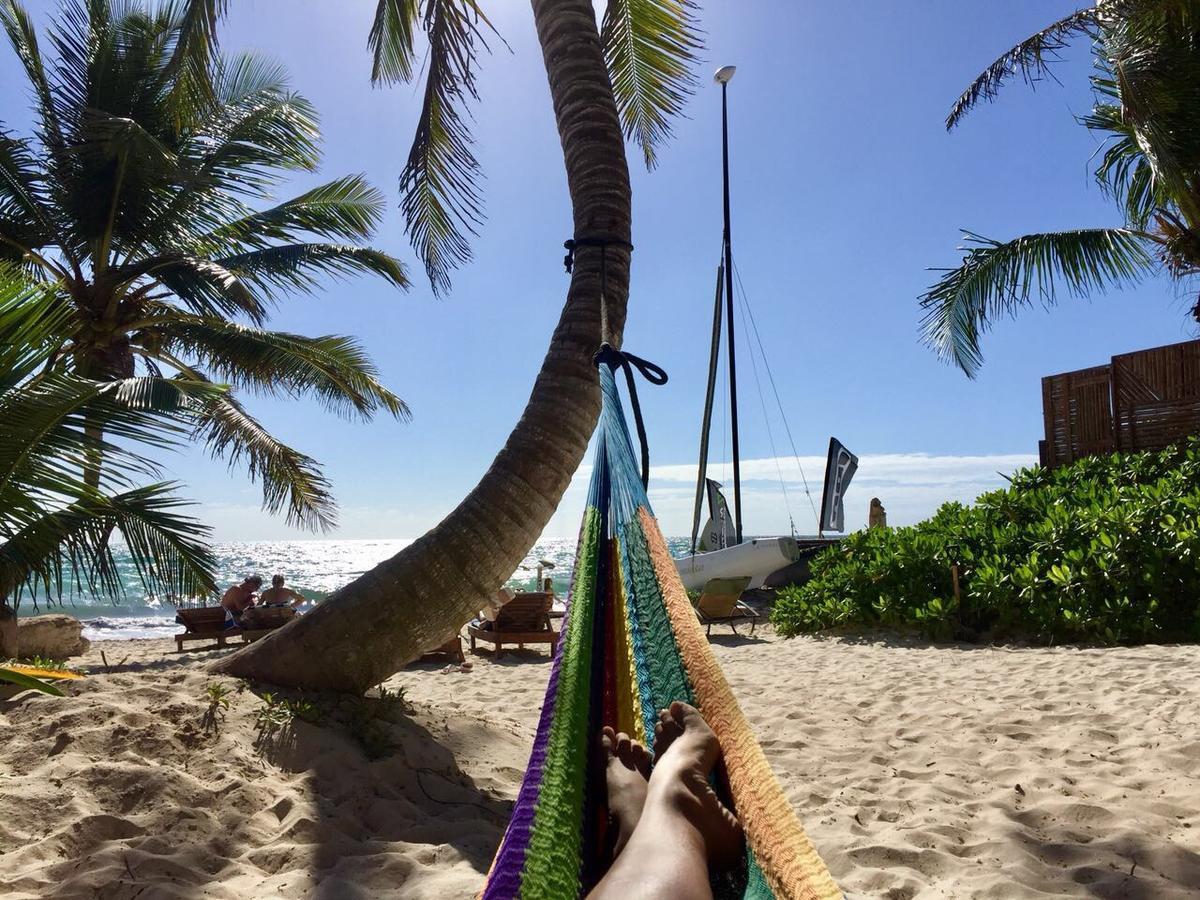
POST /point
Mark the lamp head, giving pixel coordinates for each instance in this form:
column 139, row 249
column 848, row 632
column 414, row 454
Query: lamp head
column 724, row 74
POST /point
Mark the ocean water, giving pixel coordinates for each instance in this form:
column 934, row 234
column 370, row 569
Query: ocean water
column 312, row 567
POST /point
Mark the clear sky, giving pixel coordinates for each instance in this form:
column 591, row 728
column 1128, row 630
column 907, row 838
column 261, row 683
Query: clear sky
column 846, row 189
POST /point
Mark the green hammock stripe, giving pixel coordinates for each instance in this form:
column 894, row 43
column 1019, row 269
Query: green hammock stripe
column 555, row 854
column 756, row 882
column 665, row 679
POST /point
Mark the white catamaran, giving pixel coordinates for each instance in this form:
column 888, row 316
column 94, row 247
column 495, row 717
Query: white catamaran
column 718, row 550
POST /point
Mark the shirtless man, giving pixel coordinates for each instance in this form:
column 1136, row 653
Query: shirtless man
column 278, row 595
column 240, row 598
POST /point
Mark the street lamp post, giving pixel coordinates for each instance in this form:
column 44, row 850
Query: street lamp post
column 722, row 77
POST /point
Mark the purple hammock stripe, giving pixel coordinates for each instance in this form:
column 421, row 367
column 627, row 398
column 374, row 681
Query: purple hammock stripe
column 505, row 881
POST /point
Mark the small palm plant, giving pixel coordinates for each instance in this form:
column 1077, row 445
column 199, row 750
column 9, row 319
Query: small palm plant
column 57, row 528
column 140, row 198
column 1147, row 111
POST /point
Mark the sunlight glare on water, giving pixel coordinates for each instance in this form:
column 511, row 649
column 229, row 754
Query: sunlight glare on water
column 312, row 567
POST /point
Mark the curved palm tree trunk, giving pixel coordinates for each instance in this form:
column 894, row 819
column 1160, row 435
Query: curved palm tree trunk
column 368, row 629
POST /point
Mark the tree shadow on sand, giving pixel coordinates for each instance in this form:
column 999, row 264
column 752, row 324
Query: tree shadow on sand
column 1125, row 866
column 379, row 779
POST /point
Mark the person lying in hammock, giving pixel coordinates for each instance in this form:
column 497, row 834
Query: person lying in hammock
column 671, row 827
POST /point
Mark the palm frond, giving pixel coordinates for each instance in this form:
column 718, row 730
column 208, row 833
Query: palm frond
column 997, row 279
column 334, row 368
column 344, row 209
column 53, row 422
column 1030, row 59
column 74, row 544
column 23, row 37
column 650, row 47
column 391, row 40
column 190, row 64
column 32, row 322
column 1124, row 173
column 299, row 267
column 29, row 682
column 440, row 199
column 292, row 482
column 202, row 285
column 1149, row 51
column 25, row 216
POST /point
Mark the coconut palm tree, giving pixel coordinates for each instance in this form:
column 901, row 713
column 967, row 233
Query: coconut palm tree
column 55, row 526
column 1147, row 112
column 144, row 196
column 625, row 78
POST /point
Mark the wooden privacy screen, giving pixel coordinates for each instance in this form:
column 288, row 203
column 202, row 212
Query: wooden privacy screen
column 1141, row 401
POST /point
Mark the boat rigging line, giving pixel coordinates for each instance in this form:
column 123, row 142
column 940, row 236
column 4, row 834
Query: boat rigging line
column 770, row 432
column 779, row 403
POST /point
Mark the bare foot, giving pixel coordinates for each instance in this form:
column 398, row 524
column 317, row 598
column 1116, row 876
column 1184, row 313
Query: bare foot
column 685, row 753
column 627, row 769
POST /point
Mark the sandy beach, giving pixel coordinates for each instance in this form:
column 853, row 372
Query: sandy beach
column 919, row 771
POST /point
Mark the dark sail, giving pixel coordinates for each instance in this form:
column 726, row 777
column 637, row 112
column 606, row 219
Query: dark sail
column 719, row 531
column 839, row 469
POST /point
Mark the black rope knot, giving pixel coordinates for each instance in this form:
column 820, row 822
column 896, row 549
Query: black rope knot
column 619, row 359
column 603, row 243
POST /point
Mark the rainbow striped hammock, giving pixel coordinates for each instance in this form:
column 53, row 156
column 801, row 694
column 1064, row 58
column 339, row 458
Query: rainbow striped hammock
column 630, row 645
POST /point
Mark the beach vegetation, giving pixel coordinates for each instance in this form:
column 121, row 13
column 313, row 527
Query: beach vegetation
column 216, row 697
column 41, row 662
column 367, row 723
column 392, row 701
column 143, row 202
column 1104, row 550
column 1146, row 116
column 14, row 676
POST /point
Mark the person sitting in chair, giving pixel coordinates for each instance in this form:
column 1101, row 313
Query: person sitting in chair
column 238, row 599
column 278, row 595
column 491, row 609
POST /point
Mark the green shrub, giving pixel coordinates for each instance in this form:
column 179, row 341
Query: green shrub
column 1106, row 549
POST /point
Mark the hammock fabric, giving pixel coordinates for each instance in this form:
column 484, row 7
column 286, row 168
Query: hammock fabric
column 630, row 645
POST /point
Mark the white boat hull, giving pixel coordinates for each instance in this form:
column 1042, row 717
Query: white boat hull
column 756, row 558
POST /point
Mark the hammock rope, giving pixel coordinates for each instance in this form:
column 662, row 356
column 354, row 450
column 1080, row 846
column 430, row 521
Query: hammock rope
column 630, row 645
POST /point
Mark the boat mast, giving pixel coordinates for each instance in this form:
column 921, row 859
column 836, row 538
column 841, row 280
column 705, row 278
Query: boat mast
column 722, row 77
column 706, row 423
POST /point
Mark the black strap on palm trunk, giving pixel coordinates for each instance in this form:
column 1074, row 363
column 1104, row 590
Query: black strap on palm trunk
column 609, row 355
column 619, row 359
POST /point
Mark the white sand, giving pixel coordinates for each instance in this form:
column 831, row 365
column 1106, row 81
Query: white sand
column 919, row 771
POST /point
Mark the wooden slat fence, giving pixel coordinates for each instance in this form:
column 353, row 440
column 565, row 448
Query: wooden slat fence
column 1140, row 401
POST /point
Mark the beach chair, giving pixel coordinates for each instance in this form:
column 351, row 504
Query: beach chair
column 721, row 603
column 208, row 623
column 525, row 619
column 204, row 624
column 262, row 620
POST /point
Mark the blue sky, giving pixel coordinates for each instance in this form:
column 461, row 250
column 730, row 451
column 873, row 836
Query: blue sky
column 846, row 189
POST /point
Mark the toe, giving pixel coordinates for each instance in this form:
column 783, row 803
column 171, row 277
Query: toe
column 622, row 746
column 641, row 759
column 685, row 715
column 608, row 740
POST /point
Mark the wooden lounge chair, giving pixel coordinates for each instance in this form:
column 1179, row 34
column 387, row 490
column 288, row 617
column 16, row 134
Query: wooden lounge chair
column 525, row 619
column 203, row 624
column 208, row 624
column 262, row 620
column 721, row 603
